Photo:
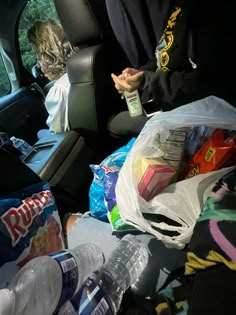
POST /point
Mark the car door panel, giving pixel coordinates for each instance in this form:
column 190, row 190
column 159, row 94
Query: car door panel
column 22, row 114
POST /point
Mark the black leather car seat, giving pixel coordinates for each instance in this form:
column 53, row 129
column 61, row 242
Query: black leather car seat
column 92, row 97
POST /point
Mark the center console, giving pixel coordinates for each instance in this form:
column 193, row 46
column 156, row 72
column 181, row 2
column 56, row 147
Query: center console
column 63, row 160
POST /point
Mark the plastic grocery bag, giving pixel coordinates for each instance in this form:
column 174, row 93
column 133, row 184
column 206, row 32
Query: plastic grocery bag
column 171, row 215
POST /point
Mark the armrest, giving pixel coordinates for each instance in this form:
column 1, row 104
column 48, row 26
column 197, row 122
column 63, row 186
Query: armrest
column 49, row 153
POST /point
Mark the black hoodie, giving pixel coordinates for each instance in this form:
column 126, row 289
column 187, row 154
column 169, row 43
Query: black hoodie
column 198, row 59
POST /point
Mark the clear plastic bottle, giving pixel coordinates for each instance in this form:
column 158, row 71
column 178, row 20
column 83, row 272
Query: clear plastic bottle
column 5, row 302
column 46, row 282
column 103, row 291
column 21, row 145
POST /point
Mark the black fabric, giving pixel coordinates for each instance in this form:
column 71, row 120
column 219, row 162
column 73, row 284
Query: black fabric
column 209, row 292
column 133, row 304
column 180, row 294
column 173, row 57
column 159, row 11
column 123, row 126
column 123, row 31
column 213, row 292
column 139, row 15
column 211, row 28
column 177, row 274
column 138, row 25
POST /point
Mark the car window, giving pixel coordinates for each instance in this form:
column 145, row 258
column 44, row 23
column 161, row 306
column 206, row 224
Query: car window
column 33, row 11
column 4, row 80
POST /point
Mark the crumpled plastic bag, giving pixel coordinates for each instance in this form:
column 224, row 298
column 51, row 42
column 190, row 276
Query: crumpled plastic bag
column 171, row 215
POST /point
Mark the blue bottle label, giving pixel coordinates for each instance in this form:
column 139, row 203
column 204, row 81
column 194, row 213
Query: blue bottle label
column 69, row 270
column 91, row 300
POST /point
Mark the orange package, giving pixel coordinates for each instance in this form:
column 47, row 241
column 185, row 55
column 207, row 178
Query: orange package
column 213, row 155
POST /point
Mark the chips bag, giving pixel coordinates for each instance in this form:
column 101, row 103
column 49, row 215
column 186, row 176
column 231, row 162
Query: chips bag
column 30, row 226
column 214, row 154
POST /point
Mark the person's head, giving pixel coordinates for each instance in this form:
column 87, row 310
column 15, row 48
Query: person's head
column 51, row 47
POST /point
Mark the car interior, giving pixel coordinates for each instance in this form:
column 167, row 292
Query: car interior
column 108, row 40
column 63, row 159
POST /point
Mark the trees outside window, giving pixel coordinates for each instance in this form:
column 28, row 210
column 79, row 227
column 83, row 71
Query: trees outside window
column 34, row 10
column 4, row 81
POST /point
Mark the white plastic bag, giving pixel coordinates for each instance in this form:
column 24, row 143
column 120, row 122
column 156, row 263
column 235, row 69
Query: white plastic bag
column 180, row 202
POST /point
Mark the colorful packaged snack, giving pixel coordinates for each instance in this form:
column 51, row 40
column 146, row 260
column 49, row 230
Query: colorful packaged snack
column 173, row 147
column 119, row 227
column 195, row 139
column 153, row 176
column 30, row 226
column 217, row 151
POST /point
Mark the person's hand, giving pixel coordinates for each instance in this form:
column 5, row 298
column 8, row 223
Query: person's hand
column 129, row 80
column 129, row 72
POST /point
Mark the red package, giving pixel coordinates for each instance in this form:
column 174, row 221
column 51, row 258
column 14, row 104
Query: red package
column 155, row 179
column 213, row 155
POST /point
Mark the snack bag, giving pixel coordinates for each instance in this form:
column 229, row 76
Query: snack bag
column 119, row 227
column 153, row 176
column 173, row 147
column 30, row 226
column 117, row 224
column 112, row 163
column 195, row 139
column 213, row 155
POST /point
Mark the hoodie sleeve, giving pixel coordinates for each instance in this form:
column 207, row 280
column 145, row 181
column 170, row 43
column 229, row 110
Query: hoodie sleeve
column 171, row 88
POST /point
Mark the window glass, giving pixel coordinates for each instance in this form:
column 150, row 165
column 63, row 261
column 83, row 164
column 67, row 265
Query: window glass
column 33, row 11
column 4, row 80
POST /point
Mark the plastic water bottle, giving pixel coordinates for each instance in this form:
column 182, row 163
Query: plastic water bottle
column 21, row 145
column 5, row 307
column 103, row 291
column 133, row 102
column 46, row 282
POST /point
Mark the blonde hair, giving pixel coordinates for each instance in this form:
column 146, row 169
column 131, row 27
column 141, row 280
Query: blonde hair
column 52, row 46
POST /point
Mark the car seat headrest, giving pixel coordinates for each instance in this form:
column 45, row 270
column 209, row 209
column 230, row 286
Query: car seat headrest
column 79, row 22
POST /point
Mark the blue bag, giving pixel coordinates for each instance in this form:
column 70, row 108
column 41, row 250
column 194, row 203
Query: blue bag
column 111, row 164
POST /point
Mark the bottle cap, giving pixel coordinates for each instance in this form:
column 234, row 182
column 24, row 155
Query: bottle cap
column 6, row 302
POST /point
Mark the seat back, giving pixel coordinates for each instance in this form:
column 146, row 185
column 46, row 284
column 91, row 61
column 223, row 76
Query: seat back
column 92, row 97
